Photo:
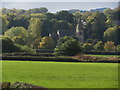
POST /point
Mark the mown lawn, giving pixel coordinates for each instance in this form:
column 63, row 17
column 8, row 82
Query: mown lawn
column 62, row 74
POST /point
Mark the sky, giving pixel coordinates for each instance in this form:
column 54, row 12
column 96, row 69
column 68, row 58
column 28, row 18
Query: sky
column 57, row 5
column 60, row 0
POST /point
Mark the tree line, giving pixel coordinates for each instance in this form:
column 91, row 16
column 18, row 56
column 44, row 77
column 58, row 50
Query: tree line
column 32, row 27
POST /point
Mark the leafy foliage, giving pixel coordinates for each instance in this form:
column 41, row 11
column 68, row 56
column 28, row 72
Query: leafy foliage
column 118, row 48
column 67, row 46
column 24, row 27
column 99, row 46
column 112, row 34
column 18, row 34
column 87, row 47
column 109, row 46
column 5, row 23
column 8, row 45
column 64, row 15
column 96, row 25
column 35, row 27
column 36, row 43
column 46, row 43
column 25, row 49
column 19, row 40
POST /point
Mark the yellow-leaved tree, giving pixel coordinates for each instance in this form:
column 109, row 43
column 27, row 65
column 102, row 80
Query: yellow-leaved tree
column 46, row 43
column 109, row 46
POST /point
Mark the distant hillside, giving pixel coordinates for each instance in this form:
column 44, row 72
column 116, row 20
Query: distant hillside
column 98, row 9
column 77, row 10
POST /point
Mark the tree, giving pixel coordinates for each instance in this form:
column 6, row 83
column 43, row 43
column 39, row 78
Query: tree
column 109, row 46
column 37, row 15
column 16, row 33
column 46, row 43
column 87, row 47
column 108, row 11
column 8, row 45
column 38, row 10
column 50, row 16
column 67, row 46
column 65, row 15
column 112, row 34
column 99, row 46
column 63, row 40
column 35, row 27
column 5, row 23
column 17, row 20
column 35, row 43
column 95, row 25
column 118, row 48
column 19, row 40
column 112, row 16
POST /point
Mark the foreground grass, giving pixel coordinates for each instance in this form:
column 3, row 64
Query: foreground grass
column 62, row 74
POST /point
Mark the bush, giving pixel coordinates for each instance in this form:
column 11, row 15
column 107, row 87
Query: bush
column 87, row 47
column 99, row 46
column 47, row 43
column 36, row 43
column 118, row 48
column 89, row 41
column 92, row 41
column 19, row 40
column 25, row 49
column 67, row 46
column 109, row 46
column 8, row 45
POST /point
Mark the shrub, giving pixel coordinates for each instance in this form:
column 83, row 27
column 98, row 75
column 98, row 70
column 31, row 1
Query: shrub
column 92, row 41
column 19, row 40
column 16, row 31
column 63, row 40
column 118, row 48
column 36, row 43
column 87, row 47
column 89, row 41
column 46, row 43
column 99, row 46
column 25, row 49
column 8, row 45
column 109, row 46
column 67, row 46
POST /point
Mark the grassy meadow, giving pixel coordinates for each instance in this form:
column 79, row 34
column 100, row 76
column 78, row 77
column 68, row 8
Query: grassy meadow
column 62, row 74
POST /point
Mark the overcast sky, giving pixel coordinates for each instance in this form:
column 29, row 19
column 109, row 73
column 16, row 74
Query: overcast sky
column 57, row 5
column 59, row 0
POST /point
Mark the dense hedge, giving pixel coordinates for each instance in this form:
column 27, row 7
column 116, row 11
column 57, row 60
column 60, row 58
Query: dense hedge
column 103, row 53
column 44, row 50
column 52, row 57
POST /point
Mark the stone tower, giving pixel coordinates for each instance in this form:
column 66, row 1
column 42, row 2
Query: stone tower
column 79, row 30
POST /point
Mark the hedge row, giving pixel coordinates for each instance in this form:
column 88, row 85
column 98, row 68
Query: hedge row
column 103, row 53
column 59, row 59
column 27, row 54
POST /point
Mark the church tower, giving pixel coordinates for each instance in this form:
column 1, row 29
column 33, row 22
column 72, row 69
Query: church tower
column 79, row 30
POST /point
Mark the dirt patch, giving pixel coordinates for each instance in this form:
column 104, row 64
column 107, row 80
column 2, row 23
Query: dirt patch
column 20, row 85
column 82, row 57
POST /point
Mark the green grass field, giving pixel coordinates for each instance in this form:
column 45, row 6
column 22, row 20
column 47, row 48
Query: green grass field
column 62, row 74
